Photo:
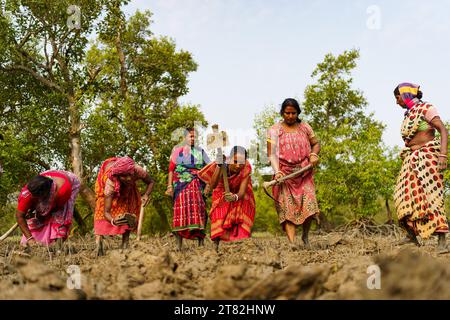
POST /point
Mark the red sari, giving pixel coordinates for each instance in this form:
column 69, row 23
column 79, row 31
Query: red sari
column 231, row 221
column 295, row 198
column 189, row 209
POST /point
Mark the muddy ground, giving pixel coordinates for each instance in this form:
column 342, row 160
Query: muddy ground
column 258, row 268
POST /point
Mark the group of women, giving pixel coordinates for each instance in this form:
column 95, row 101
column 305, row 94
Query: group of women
column 46, row 203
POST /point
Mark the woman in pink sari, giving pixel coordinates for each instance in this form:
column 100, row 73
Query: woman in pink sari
column 45, row 207
column 291, row 145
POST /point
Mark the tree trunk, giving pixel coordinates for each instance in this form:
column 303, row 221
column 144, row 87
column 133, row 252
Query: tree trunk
column 388, row 211
column 75, row 152
column 79, row 220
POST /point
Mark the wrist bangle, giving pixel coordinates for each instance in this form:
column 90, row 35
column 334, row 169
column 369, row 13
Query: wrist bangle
column 443, row 155
column 236, row 196
column 169, row 187
column 313, row 154
column 28, row 239
column 112, row 222
column 279, row 171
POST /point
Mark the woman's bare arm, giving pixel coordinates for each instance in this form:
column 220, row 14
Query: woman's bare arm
column 22, row 222
column 439, row 125
column 215, row 178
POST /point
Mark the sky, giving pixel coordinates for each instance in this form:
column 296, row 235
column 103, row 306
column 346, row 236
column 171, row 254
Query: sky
column 255, row 53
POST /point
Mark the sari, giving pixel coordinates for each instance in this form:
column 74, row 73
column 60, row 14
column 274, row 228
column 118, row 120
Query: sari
column 419, row 191
column 126, row 196
column 295, row 199
column 51, row 218
column 189, row 208
column 231, row 221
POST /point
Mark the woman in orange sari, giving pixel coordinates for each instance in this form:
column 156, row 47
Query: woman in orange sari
column 117, row 194
column 232, row 213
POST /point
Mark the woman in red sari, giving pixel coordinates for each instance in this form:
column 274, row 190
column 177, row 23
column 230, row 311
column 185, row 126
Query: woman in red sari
column 45, row 207
column 291, row 145
column 186, row 190
column 232, row 213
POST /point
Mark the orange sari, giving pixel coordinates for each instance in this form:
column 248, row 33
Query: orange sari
column 127, row 201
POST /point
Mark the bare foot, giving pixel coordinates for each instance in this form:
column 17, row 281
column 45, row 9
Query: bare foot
column 408, row 240
column 217, row 242
column 99, row 247
column 442, row 245
column 179, row 243
column 99, row 251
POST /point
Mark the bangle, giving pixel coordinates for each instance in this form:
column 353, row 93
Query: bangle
column 279, row 171
column 28, row 239
column 443, row 155
column 170, row 187
column 313, row 154
column 236, row 196
column 112, row 222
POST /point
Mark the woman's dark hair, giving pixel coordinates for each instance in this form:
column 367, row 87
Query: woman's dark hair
column 419, row 93
column 396, row 91
column 290, row 102
column 238, row 150
column 40, row 186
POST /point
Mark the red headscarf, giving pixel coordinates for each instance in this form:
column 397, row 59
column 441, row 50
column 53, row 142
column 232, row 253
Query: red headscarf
column 121, row 167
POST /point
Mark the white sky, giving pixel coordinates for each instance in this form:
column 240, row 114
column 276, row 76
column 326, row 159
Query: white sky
column 257, row 53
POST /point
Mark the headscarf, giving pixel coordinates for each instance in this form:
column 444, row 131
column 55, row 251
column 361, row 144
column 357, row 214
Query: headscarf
column 408, row 92
column 121, row 167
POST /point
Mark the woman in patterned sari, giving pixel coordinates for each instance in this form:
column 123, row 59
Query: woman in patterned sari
column 291, row 145
column 186, row 190
column 45, row 207
column 233, row 213
column 419, row 192
column 117, row 195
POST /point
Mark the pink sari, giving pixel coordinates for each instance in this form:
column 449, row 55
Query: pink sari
column 52, row 223
column 295, row 199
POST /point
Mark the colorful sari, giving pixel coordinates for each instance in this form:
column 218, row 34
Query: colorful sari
column 126, row 196
column 50, row 219
column 189, row 209
column 295, row 199
column 231, row 220
column 419, row 192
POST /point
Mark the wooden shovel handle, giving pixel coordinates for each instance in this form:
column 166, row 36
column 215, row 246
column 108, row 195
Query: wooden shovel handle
column 141, row 220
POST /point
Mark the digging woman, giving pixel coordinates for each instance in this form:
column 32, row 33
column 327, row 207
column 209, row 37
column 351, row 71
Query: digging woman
column 45, row 207
column 419, row 192
column 291, row 145
column 232, row 213
column 187, row 190
column 118, row 200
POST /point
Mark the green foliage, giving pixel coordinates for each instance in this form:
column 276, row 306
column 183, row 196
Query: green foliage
column 113, row 74
column 356, row 168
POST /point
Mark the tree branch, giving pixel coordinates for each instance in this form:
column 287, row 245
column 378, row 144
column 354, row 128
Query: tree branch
column 37, row 76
